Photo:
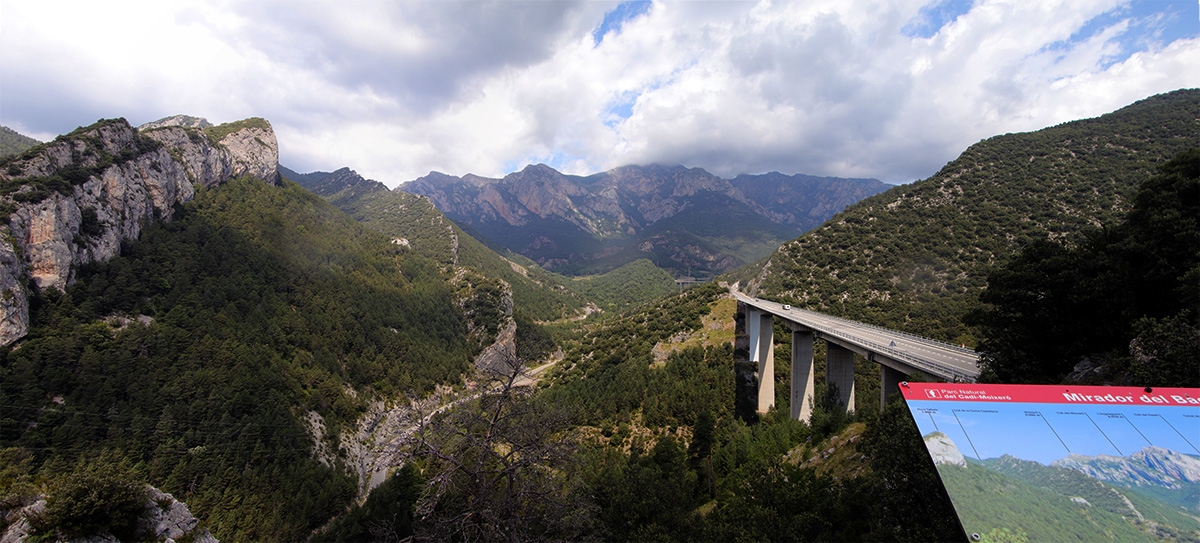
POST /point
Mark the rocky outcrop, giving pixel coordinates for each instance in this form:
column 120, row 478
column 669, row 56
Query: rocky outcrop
column 212, row 154
column 943, row 450
column 74, row 200
column 164, row 519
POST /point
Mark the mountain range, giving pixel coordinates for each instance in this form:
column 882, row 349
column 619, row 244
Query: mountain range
column 685, row 220
column 1144, row 496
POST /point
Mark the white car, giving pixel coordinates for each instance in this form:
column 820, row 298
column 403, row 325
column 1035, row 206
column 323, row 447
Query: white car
column 786, row 307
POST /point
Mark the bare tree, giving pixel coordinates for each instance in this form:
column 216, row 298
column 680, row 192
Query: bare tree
column 498, row 467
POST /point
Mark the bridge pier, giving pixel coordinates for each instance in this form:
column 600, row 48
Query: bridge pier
column 766, row 362
column 802, row 374
column 839, row 370
column 888, row 383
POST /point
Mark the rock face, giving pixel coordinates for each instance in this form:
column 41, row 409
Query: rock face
column 74, row 200
column 943, row 450
column 1151, row 466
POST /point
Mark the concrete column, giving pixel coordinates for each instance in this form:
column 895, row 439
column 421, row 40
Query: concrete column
column 752, row 323
column 802, row 375
column 889, row 381
column 745, row 401
column 766, row 363
column 839, row 370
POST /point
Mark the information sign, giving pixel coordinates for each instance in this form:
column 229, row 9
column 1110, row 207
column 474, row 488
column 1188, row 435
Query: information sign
column 1058, row 463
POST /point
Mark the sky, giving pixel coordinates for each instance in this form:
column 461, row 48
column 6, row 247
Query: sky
column 889, row 89
column 1045, row 432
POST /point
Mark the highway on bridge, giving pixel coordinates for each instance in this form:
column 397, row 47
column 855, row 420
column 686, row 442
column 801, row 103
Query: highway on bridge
column 900, row 351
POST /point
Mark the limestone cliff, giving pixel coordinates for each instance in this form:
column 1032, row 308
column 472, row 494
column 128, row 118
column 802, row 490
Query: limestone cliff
column 74, row 200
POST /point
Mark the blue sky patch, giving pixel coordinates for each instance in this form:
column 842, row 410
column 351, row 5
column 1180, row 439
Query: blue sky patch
column 621, row 108
column 1152, row 25
column 613, row 20
column 934, row 16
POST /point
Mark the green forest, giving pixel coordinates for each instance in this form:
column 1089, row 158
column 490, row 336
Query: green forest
column 192, row 356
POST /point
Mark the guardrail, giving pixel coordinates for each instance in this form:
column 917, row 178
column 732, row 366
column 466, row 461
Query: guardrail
column 940, row 370
column 913, row 337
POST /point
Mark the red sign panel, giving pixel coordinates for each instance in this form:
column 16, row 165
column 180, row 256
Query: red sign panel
column 1093, row 395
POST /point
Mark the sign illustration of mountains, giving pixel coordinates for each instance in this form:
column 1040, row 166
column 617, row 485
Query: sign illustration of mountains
column 1032, row 462
column 686, row 220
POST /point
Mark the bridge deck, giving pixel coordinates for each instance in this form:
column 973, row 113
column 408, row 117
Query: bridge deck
column 942, row 360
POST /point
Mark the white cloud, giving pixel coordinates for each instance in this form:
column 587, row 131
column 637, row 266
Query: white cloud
column 395, row 90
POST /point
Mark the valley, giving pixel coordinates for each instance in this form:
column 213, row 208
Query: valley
column 315, row 356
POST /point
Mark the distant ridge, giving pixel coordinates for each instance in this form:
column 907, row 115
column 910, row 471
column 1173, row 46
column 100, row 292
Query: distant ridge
column 685, row 220
column 14, row 143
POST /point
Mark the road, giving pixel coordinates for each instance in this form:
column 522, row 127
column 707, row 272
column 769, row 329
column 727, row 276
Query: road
column 943, row 360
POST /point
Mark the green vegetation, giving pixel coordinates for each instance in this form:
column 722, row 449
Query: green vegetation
column 1126, row 296
column 266, row 303
column 97, row 497
column 916, row 257
column 630, row 285
column 1171, row 518
column 196, row 355
column 14, row 143
column 218, row 132
column 991, row 503
column 387, row 514
column 414, row 222
column 666, row 458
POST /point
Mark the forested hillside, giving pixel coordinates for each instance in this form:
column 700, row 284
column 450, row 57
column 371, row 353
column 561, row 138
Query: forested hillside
column 195, row 356
column 414, row 222
column 916, row 257
column 13, row 142
column 538, row 295
column 665, row 456
column 1119, row 305
column 630, row 285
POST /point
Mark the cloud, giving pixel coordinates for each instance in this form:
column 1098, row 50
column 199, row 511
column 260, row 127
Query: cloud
column 615, row 19
column 886, row 89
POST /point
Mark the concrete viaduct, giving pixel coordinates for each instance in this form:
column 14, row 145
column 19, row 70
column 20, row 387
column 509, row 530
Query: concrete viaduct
column 899, row 354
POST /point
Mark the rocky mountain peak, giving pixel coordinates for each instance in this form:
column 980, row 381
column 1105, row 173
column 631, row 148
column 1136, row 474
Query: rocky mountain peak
column 185, row 121
column 943, row 450
column 559, row 219
column 1151, row 466
column 74, row 200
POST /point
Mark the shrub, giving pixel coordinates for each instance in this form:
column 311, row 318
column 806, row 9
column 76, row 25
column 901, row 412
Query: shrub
column 97, row 497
